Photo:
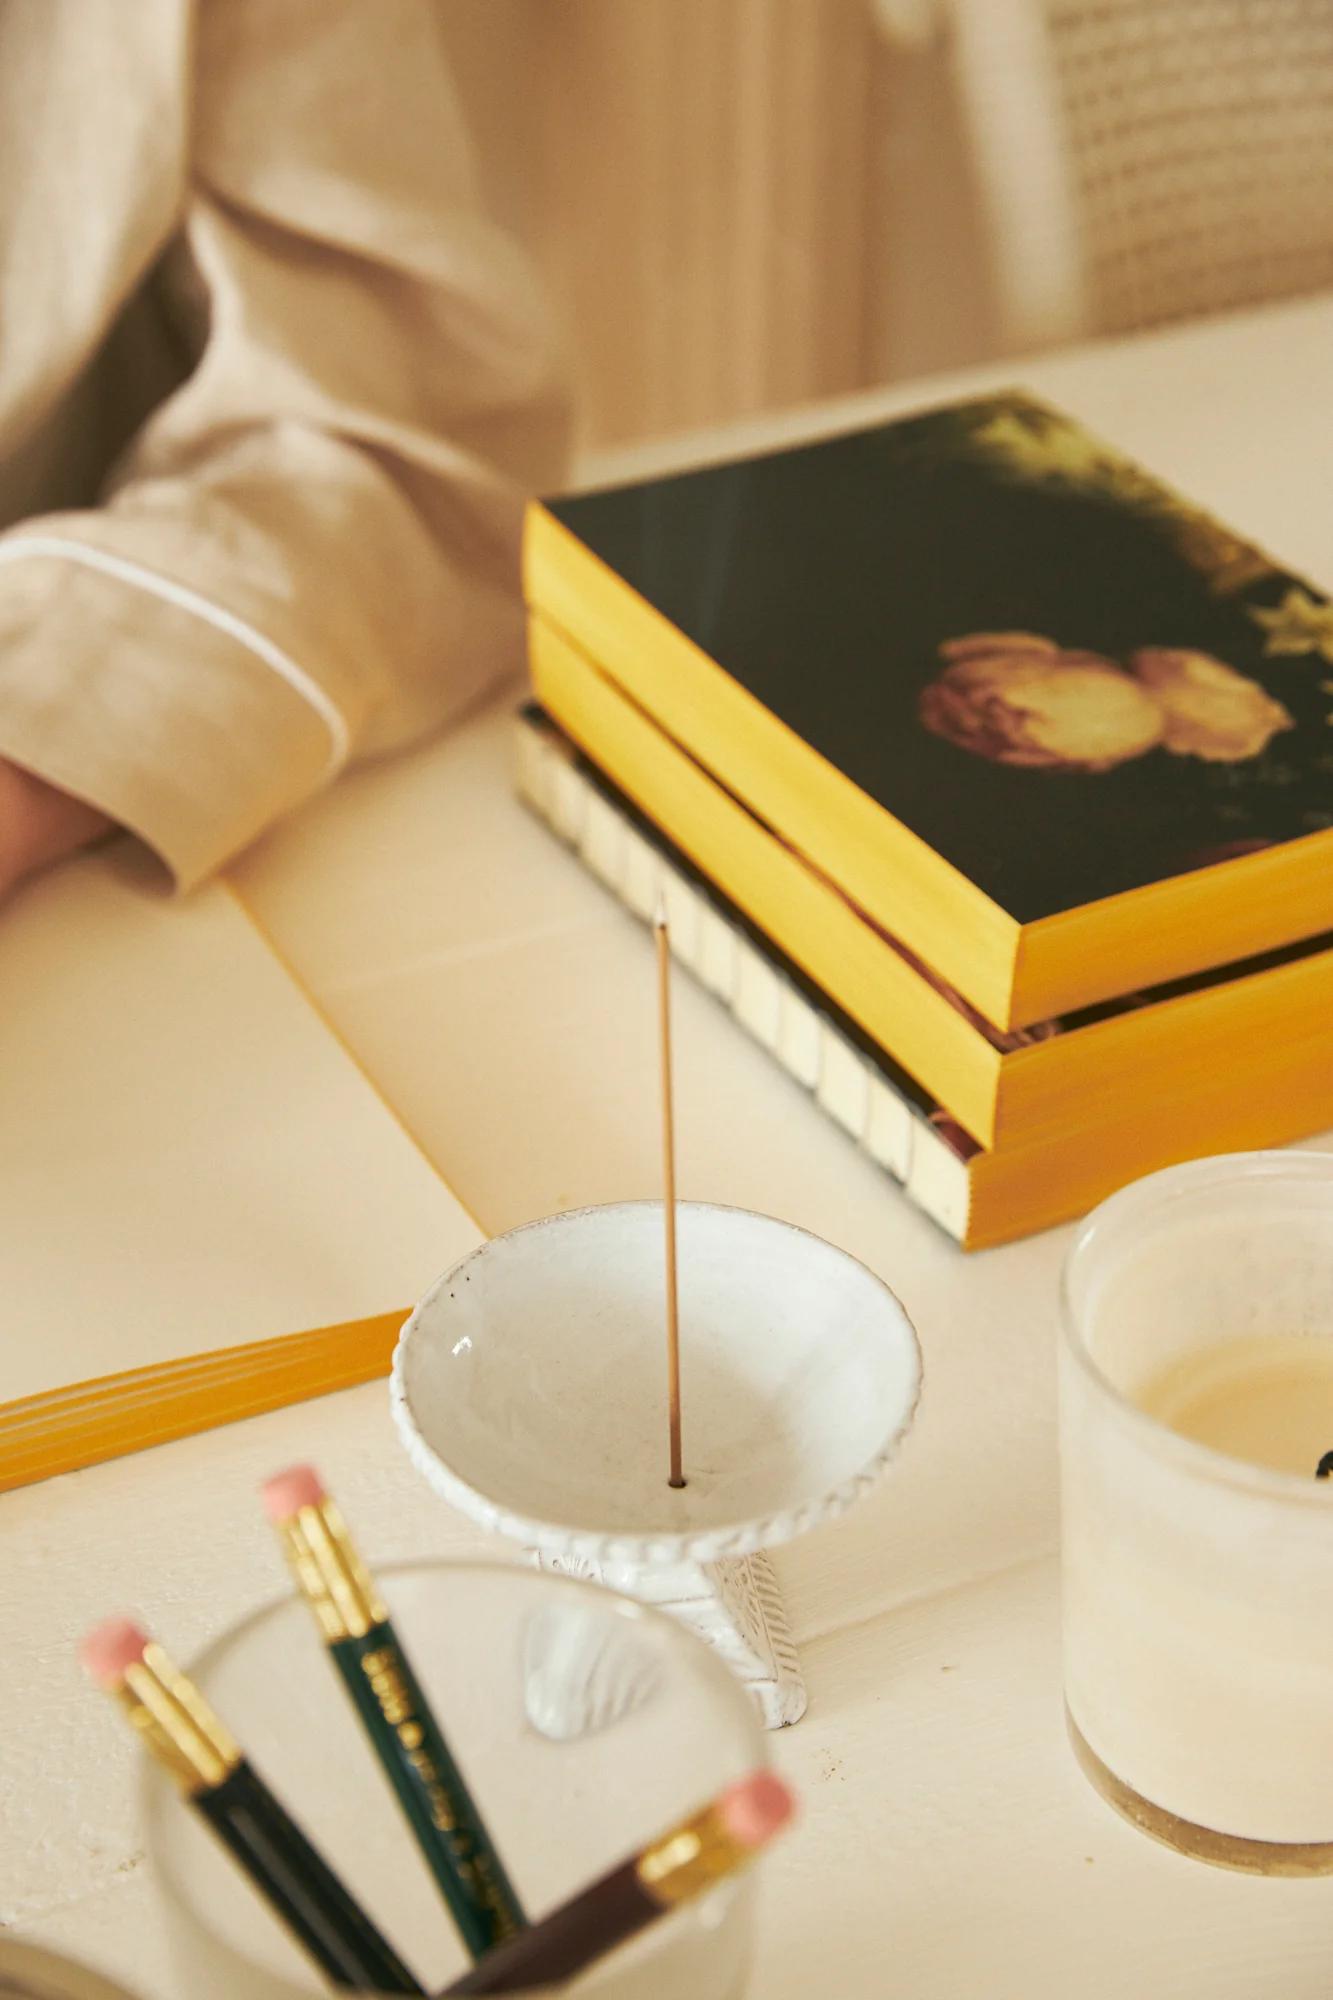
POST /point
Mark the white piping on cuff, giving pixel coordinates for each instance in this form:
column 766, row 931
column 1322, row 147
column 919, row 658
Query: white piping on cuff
column 185, row 599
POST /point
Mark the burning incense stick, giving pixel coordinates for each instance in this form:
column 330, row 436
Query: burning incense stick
column 677, row 1476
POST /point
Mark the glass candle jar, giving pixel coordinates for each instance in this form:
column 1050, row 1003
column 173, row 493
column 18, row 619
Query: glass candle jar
column 1196, row 1404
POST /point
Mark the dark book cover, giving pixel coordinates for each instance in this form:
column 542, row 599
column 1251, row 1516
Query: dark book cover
column 1061, row 675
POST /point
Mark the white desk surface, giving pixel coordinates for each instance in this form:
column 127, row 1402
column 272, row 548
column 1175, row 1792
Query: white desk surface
column 504, row 1004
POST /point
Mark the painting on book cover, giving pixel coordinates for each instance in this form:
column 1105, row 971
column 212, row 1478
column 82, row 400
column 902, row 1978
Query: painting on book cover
column 1060, row 673
column 1026, row 700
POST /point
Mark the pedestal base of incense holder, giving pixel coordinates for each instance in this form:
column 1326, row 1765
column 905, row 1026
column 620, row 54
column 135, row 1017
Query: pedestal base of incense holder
column 529, row 1387
column 733, row 1606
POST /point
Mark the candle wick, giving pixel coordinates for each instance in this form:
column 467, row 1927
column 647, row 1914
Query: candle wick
column 1325, row 1466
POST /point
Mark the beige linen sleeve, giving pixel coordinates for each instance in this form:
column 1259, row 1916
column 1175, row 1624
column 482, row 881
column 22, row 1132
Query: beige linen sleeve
column 309, row 554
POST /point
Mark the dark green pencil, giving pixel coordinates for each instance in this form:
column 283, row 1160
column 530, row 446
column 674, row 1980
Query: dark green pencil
column 179, row 1729
column 406, row 1738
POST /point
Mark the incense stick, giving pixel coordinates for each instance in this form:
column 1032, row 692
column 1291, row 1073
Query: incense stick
column 677, row 1476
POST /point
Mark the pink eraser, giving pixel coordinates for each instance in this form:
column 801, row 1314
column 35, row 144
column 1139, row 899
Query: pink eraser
column 112, row 1647
column 288, row 1492
column 754, row 1810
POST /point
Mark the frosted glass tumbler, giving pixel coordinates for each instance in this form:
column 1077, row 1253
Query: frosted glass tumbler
column 648, row 1726
column 1198, row 1579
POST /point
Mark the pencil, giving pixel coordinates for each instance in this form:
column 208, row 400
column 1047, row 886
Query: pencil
column 394, row 1712
column 683, row 1863
column 180, row 1729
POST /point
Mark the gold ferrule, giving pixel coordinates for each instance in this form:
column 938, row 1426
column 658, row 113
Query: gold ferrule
column 690, row 1859
column 329, row 1573
column 176, row 1723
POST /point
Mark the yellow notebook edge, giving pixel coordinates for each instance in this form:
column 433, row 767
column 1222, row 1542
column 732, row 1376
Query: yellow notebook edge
column 1165, row 1049
column 992, row 1197
column 1225, row 898
column 775, row 887
column 1048, row 1090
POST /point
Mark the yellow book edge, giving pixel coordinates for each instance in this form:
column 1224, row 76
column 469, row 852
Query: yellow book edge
column 1014, row 1194
column 1015, row 974
column 982, row 1201
column 1042, row 1091
column 811, row 922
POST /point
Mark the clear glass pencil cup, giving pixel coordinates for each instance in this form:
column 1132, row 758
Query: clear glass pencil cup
column 585, row 1725
column 1197, row 1584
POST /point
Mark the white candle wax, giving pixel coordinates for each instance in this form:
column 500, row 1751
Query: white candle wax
column 1267, row 1400
column 1196, row 1403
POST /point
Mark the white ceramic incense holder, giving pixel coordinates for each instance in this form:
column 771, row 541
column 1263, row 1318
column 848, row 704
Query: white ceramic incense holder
column 529, row 1387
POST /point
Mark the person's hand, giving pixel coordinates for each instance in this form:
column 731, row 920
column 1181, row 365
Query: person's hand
column 39, row 825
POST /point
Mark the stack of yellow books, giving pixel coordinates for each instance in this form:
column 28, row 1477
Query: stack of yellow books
column 1012, row 764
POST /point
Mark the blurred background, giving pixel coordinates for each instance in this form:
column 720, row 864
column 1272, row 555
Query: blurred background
column 739, row 205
